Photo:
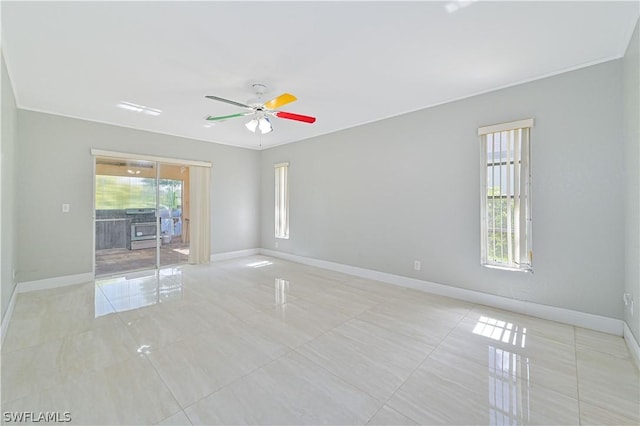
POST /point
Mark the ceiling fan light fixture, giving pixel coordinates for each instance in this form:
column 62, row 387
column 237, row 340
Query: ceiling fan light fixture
column 265, row 125
column 252, row 125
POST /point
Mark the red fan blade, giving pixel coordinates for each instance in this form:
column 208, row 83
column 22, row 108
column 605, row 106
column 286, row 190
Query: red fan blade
column 297, row 117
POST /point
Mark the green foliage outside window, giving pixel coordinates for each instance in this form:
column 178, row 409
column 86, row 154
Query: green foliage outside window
column 123, row 192
column 498, row 234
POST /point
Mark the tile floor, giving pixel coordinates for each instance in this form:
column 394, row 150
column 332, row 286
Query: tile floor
column 112, row 261
column 259, row 340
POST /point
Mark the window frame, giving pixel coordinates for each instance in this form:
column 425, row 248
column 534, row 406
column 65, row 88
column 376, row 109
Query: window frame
column 518, row 195
column 281, row 200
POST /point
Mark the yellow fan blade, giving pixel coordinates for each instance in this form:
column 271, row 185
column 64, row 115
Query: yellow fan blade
column 283, row 99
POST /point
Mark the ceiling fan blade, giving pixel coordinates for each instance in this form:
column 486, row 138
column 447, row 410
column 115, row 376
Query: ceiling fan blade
column 283, row 99
column 224, row 117
column 297, row 117
column 216, row 98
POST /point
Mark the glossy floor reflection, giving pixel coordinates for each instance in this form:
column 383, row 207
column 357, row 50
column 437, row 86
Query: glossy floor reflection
column 259, row 340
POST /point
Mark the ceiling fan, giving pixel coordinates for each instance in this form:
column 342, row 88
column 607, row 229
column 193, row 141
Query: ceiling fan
column 260, row 111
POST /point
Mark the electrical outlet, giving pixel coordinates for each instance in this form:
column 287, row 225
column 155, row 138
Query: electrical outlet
column 276, row 244
column 416, row 265
column 66, row 208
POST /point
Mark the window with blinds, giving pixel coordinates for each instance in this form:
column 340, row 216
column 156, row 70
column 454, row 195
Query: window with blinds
column 506, row 195
column 282, row 200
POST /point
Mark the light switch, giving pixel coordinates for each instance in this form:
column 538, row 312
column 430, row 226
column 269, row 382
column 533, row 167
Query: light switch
column 66, row 208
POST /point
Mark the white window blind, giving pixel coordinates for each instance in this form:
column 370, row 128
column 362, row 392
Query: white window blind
column 282, row 200
column 506, row 195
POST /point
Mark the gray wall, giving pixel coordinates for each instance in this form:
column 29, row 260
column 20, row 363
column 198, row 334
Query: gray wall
column 7, row 151
column 54, row 166
column 631, row 84
column 377, row 196
column 383, row 194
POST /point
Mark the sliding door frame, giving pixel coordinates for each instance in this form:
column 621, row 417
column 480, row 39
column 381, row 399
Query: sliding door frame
column 154, row 158
column 95, row 153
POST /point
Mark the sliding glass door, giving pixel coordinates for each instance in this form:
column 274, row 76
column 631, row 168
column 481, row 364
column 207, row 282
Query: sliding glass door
column 141, row 215
column 173, row 212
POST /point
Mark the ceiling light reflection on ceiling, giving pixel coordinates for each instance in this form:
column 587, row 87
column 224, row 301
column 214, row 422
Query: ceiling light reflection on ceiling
column 139, row 108
column 130, row 106
column 456, row 5
column 151, row 111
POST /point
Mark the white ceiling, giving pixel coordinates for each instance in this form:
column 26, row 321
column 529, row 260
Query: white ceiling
column 348, row 63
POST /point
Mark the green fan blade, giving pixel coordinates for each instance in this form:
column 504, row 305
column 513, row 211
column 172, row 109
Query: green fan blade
column 224, row 117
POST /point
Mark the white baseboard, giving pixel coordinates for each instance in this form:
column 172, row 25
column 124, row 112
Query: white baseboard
column 7, row 315
column 54, row 282
column 233, row 254
column 632, row 344
column 566, row 316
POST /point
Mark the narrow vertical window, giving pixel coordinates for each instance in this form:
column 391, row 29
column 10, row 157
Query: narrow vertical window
column 506, row 195
column 282, row 200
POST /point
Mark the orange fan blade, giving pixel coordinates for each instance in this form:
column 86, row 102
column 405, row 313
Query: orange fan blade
column 283, row 99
